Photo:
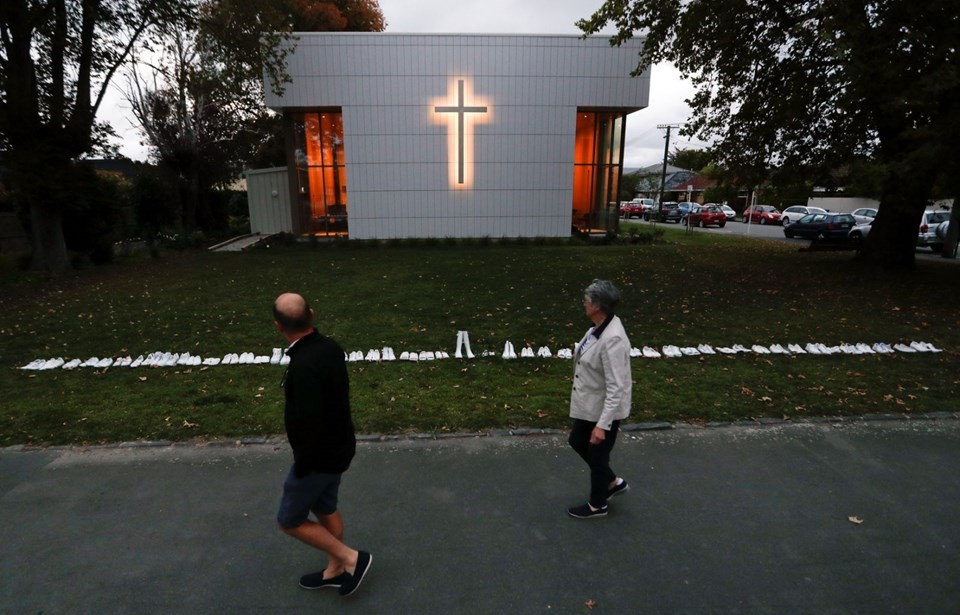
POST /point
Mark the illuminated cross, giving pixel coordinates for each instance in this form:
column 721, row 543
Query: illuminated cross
column 460, row 110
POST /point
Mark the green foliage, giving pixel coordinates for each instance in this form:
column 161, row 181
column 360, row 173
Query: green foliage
column 815, row 85
column 691, row 159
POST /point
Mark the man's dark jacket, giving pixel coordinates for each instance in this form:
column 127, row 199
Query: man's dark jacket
column 317, row 413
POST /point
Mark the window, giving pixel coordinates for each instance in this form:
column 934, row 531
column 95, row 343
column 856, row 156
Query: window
column 596, row 169
column 321, row 172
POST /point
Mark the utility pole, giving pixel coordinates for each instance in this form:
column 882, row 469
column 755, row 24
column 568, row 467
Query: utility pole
column 666, row 152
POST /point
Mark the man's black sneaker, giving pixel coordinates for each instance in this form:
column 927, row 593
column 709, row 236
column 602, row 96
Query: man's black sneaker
column 618, row 489
column 352, row 582
column 585, row 512
column 315, row 580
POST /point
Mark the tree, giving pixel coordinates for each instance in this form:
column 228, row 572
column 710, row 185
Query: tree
column 690, row 159
column 57, row 59
column 815, row 84
column 203, row 115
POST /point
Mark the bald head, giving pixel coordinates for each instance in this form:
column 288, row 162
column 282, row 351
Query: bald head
column 292, row 313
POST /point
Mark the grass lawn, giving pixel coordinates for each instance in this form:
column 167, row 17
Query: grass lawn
column 684, row 289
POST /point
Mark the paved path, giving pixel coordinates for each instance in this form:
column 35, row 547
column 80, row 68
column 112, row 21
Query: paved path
column 722, row 520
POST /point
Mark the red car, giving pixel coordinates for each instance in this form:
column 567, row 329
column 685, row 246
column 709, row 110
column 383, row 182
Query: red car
column 761, row 214
column 634, row 208
column 706, row 215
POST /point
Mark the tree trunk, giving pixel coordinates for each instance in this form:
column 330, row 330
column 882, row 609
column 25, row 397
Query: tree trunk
column 892, row 242
column 49, row 245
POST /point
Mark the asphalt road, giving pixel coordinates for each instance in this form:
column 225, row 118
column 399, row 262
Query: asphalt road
column 819, row 518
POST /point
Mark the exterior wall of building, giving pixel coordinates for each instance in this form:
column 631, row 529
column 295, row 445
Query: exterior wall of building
column 268, row 197
column 399, row 160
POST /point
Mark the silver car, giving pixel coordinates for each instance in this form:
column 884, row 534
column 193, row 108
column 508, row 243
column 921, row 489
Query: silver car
column 795, row 212
column 864, row 215
column 927, row 238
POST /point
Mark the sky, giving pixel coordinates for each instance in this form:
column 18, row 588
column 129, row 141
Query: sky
column 644, row 141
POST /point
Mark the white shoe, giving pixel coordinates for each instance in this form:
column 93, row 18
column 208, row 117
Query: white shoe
column 72, row 364
column 740, row 348
column 527, row 352
column 106, row 362
column 276, row 356
column 466, row 345
column 690, row 351
column 726, row 350
column 34, row 365
column 373, row 355
column 285, row 359
column 52, row 363
column 882, row 348
column 777, row 349
column 757, row 348
column 459, row 353
column 211, row 361
column 650, row 353
column 931, row 347
column 903, row 348
column 91, row 362
column 706, row 349
column 413, row 356
column 386, row 354
column 545, row 352
column 796, row 349
column 830, row 349
column 671, row 351
column 404, row 356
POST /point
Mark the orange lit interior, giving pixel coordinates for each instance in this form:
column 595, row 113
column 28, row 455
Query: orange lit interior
column 596, row 170
column 322, row 172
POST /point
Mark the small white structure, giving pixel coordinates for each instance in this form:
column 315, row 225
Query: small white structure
column 462, row 135
column 270, row 190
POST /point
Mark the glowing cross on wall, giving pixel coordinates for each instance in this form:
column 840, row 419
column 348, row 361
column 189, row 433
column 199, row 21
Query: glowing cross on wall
column 462, row 135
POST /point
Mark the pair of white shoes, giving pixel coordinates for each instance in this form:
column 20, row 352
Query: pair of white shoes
column 463, row 346
column 650, row 353
column 672, row 351
column 565, row 353
column 924, row 347
column 508, row 351
column 544, row 352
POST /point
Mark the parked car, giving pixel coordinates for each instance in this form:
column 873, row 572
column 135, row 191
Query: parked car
column 820, row 226
column 664, row 212
column 932, row 218
column 762, row 214
column 635, row 208
column 864, row 215
column 860, row 231
column 728, row 211
column 685, row 207
column 796, row 212
column 706, row 215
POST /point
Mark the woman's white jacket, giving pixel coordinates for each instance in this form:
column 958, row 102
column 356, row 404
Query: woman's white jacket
column 602, row 384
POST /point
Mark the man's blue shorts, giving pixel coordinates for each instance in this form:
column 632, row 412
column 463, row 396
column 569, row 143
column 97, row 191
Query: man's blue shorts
column 314, row 492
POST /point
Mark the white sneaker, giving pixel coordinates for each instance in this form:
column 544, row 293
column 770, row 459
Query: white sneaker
column 72, row 364
column 829, row 349
column 275, row 357
column 466, row 344
column 865, row 349
column 527, row 352
column 404, row 356
column 211, row 361
column 106, row 362
column 671, row 351
column 778, row 349
column 34, row 365
column 903, row 348
column 373, row 355
column 740, row 348
column 689, row 351
column 796, row 349
column 650, row 353
column 52, row 363
column 757, row 348
column 285, row 359
column 882, row 348
column 813, row 349
column 726, row 350
column 544, row 352
column 849, row 349
column 706, row 349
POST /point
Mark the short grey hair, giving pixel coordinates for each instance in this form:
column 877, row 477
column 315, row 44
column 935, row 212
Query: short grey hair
column 603, row 294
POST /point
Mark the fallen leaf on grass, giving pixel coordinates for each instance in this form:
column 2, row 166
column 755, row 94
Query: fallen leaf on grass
column 541, row 414
column 590, row 603
column 856, row 520
column 142, row 378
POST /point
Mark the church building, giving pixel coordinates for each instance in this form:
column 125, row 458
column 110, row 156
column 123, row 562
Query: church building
column 449, row 135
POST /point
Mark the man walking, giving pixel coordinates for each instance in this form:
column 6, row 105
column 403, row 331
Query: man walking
column 320, row 431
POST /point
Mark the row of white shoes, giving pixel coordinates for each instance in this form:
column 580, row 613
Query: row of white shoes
column 279, row 357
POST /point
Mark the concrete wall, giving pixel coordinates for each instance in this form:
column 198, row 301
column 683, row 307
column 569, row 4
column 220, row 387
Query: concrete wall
column 398, row 155
column 268, row 198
